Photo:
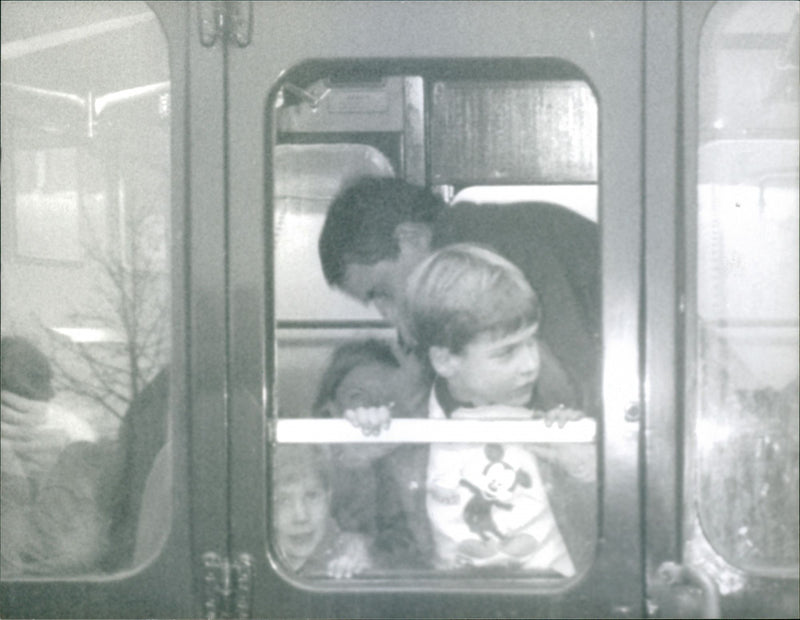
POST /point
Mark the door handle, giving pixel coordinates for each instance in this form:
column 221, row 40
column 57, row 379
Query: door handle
column 682, row 591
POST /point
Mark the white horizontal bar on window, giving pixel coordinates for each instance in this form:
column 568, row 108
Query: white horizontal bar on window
column 420, row 430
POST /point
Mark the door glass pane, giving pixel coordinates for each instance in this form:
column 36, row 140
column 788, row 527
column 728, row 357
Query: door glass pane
column 747, row 285
column 85, row 281
column 520, row 497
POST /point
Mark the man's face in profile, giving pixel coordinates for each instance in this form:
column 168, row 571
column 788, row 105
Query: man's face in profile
column 382, row 284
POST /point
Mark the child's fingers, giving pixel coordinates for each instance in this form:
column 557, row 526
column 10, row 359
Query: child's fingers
column 358, row 418
column 336, row 569
column 371, row 420
column 561, row 415
column 573, row 414
column 354, row 561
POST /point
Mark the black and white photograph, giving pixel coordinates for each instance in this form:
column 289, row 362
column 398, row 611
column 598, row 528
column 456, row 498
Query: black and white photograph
column 400, row 309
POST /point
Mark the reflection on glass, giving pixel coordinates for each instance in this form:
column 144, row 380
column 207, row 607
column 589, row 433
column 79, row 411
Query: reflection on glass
column 85, row 280
column 747, row 329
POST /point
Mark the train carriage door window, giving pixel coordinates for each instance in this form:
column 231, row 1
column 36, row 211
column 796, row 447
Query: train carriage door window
column 431, row 503
column 744, row 345
column 86, row 329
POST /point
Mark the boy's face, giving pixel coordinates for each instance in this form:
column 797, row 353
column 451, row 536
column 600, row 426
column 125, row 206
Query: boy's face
column 493, row 371
column 368, row 385
column 301, row 516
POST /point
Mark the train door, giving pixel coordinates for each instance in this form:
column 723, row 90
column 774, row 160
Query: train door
column 99, row 361
column 321, row 93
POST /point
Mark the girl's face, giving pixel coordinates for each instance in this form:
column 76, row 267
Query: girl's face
column 368, row 385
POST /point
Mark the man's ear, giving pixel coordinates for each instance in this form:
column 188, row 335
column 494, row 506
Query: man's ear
column 444, row 361
column 414, row 236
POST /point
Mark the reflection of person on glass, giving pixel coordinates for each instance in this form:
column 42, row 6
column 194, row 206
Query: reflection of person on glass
column 308, row 539
column 475, row 319
column 34, row 430
column 51, row 472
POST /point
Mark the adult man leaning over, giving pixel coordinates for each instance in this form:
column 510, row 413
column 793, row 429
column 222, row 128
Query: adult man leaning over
column 378, row 230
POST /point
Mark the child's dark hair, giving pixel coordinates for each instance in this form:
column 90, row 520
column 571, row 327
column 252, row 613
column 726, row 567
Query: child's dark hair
column 346, row 357
column 24, row 369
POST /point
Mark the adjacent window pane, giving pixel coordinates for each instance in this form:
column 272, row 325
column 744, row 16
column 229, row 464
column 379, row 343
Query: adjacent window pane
column 85, row 280
column 747, row 285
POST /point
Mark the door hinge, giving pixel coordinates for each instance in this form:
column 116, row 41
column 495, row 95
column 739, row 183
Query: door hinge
column 682, row 591
column 229, row 21
column 228, row 586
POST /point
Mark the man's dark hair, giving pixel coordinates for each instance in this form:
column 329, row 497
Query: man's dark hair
column 360, row 224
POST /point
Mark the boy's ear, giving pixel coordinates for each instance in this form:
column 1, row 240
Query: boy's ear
column 415, row 236
column 444, row 361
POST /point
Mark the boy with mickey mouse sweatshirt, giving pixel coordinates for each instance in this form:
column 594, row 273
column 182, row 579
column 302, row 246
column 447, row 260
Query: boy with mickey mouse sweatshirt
column 474, row 316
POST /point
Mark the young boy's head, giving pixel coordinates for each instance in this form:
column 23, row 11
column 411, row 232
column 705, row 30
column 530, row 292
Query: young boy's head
column 301, row 495
column 475, row 317
column 360, row 374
